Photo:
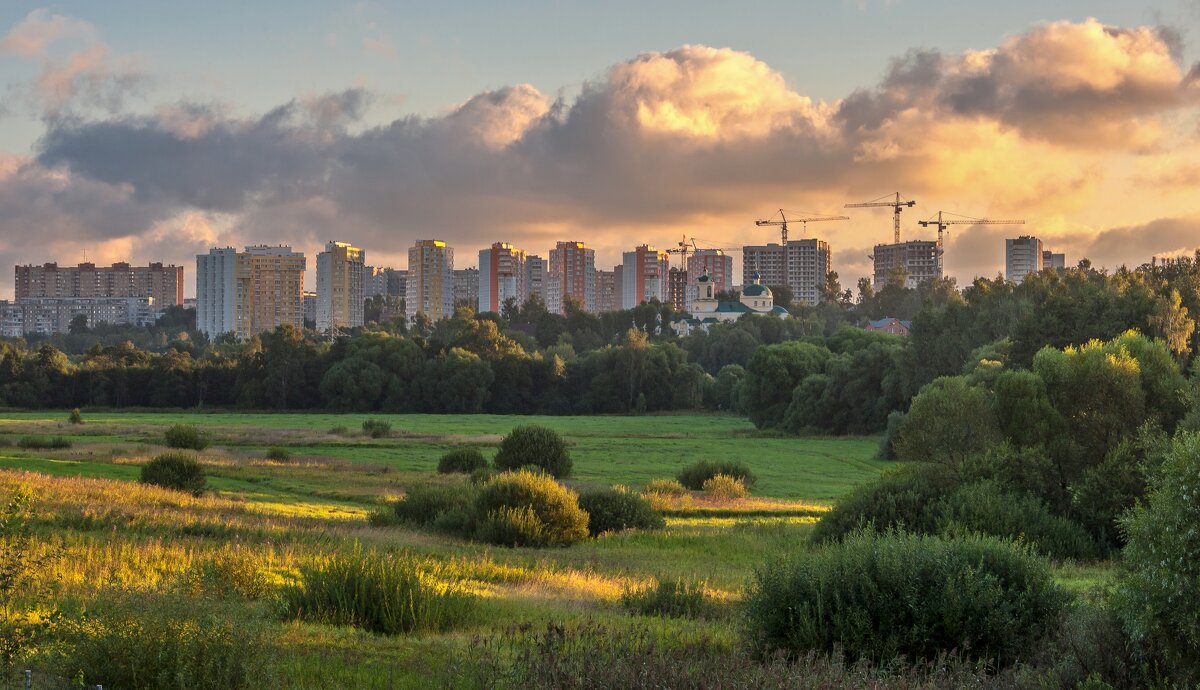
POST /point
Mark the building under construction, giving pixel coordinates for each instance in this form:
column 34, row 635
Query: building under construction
column 920, row 259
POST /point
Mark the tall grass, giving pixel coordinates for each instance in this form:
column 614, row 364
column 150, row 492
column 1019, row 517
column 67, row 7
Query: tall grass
column 389, row 593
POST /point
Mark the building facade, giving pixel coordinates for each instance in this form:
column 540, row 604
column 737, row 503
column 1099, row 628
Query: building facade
column 644, row 276
column 375, row 282
column 802, row 265
column 920, row 259
column 53, row 315
column 1053, row 261
column 503, row 275
column 340, row 272
column 163, row 283
column 429, row 287
column 466, row 287
column 537, row 277
column 249, row 292
column 677, row 289
column 1022, row 256
column 607, row 297
column 572, row 275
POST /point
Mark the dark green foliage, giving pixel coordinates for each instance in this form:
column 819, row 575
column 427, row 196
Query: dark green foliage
column 185, row 436
column 386, row 593
column 900, row 499
column 176, row 471
column 988, row 508
column 671, row 598
column 693, row 476
column 531, row 444
column 947, row 422
column 278, row 454
column 76, row 417
column 149, row 642
column 43, row 443
column 528, row 509
column 445, row 507
column 879, row 595
column 462, row 461
column 887, row 444
column 773, row 373
column 1158, row 600
column 482, row 475
column 617, row 509
column 339, row 430
column 376, row 428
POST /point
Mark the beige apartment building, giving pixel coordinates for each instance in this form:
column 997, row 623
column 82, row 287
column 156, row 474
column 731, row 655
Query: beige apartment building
column 250, row 292
column 162, row 283
column 340, row 270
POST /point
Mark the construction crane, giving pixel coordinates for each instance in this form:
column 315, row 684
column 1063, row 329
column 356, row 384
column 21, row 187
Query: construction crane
column 959, row 219
column 897, row 205
column 687, row 245
column 797, row 217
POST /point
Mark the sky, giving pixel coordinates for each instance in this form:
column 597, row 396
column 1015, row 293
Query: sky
column 149, row 131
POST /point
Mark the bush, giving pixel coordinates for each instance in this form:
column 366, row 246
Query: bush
column 445, row 507
column 887, row 444
column 388, row 593
column 376, row 428
column 462, row 460
column 531, row 444
column 613, row 510
column 902, row 498
column 76, row 417
column 877, row 596
column 43, row 443
column 482, row 475
column 527, row 509
column 339, row 430
column 185, row 436
column 693, row 476
column 988, row 508
column 671, row 598
column 664, row 487
column 725, row 487
column 1157, row 597
column 279, row 454
column 164, row 641
column 175, row 471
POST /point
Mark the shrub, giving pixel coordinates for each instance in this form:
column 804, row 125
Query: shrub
column 988, row 508
column 391, row 593
column 527, row 509
column 279, row 454
column 175, row 471
column 43, row 443
column 887, row 444
column 877, row 596
column 693, row 476
column 897, row 499
column 185, row 436
column 76, row 417
column 664, row 487
column 671, row 598
column 531, row 444
column 462, row 460
column 613, row 510
column 376, row 428
column 725, row 487
column 238, row 570
column 1157, row 598
column 339, row 430
column 446, row 507
column 164, row 641
column 482, row 475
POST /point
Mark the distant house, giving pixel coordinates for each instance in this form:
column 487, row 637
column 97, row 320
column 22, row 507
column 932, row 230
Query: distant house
column 890, row 325
column 756, row 298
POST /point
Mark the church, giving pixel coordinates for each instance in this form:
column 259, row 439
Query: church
column 707, row 309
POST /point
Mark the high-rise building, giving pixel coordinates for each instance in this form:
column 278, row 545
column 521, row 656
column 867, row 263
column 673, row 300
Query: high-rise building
column 920, row 259
column 466, row 287
column 1022, row 256
column 803, row 266
column 502, row 276
column 715, row 264
column 162, row 283
column 430, row 280
column 1053, row 261
column 572, row 276
column 309, row 300
column 644, row 276
column 340, row 271
column 537, row 276
column 250, row 292
column 375, row 282
column 607, row 297
column 677, row 289
column 53, row 315
column 397, row 282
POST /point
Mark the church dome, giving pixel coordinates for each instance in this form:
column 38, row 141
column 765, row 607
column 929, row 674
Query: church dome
column 756, row 290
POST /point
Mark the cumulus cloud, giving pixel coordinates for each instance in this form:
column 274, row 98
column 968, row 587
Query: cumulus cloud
column 695, row 140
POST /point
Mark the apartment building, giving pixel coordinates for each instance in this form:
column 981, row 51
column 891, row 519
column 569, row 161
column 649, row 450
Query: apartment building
column 340, row 272
column 802, row 265
column 1022, row 256
column 503, row 275
column 249, row 292
column 163, row 283
column 572, row 274
column 429, row 287
column 644, row 276
column 920, row 259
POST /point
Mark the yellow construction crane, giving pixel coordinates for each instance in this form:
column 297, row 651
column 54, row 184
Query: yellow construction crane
column 959, row 219
column 897, row 205
column 797, row 217
column 687, row 245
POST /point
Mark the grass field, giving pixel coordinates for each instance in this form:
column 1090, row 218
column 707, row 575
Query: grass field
column 102, row 531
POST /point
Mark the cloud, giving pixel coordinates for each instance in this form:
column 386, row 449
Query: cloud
column 1057, row 121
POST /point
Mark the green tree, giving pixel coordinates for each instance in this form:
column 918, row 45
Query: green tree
column 947, row 423
column 773, row 373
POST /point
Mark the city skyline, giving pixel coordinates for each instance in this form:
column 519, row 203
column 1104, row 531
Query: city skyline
column 1086, row 128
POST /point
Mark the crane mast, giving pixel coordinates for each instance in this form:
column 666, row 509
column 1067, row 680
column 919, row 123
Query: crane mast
column 897, row 205
column 797, row 217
